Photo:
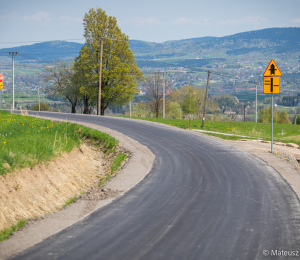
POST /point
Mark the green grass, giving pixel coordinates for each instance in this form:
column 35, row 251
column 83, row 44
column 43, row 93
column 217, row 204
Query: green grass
column 26, row 141
column 117, row 162
column 114, row 167
column 285, row 133
column 98, row 139
column 6, row 233
column 69, row 201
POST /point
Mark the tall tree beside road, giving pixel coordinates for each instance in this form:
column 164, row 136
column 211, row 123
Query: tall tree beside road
column 84, row 77
column 61, row 74
column 120, row 74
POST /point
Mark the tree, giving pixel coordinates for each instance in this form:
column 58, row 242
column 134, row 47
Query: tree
column 265, row 115
column 154, row 88
column 298, row 120
column 141, row 109
column 61, row 74
column 120, row 74
column 283, row 118
column 83, row 77
column 189, row 101
column 175, row 111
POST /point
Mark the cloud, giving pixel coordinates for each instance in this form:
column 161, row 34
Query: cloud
column 297, row 20
column 78, row 20
column 65, row 18
column 142, row 21
column 41, row 16
column 9, row 16
column 204, row 21
column 247, row 20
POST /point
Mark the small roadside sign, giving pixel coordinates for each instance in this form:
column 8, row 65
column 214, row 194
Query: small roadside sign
column 272, row 70
column 271, row 85
column 1, row 85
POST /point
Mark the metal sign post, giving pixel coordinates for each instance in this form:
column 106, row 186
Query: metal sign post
column 272, row 85
column 272, row 126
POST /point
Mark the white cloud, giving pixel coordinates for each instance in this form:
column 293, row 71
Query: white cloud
column 183, row 20
column 9, row 16
column 78, row 20
column 142, row 21
column 41, row 16
column 65, row 18
column 297, row 20
column 247, row 20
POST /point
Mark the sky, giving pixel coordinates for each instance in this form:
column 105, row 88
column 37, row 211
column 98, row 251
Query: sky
column 26, row 22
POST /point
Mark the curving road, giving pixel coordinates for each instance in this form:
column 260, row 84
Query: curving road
column 201, row 200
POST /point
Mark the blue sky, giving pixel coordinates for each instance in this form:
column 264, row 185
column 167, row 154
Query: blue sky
column 153, row 20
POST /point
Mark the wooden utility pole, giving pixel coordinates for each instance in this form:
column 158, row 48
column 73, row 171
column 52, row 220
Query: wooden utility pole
column 204, row 110
column 244, row 113
column 100, row 77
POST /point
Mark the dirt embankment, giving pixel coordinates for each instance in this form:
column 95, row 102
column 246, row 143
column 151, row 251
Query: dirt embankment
column 29, row 193
column 78, row 171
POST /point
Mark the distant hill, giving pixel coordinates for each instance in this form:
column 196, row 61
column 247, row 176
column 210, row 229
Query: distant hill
column 46, row 51
column 266, row 41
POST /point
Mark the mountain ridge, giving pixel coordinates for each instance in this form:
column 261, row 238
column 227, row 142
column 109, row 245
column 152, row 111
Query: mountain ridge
column 276, row 40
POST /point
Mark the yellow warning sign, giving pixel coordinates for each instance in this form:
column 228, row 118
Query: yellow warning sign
column 272, row 70
column 271, row 85
column 1, row 85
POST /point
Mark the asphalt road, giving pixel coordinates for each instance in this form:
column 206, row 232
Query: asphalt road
column 201, row 200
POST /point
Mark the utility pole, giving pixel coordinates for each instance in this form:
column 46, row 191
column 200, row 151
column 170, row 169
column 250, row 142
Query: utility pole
column 130, row 108
column 256, row 103
column 204, row 110
column 13, row 77
column 244, row 113
column 100, row 77
column 164, row 104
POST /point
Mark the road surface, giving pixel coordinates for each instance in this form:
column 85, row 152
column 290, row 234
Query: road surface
column 201, row 200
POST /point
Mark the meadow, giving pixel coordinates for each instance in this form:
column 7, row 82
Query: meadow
column 26, row 141
column 285, row 133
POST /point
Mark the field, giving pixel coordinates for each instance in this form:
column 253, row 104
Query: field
column 25, row 141
column 285, row 133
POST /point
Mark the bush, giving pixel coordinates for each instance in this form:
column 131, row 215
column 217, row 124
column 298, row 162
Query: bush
column 43, row 107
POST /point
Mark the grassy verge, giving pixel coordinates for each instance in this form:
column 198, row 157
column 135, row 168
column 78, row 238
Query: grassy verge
column 116, row 164
column 285, row 133
column 25, row 140
column 6, row 233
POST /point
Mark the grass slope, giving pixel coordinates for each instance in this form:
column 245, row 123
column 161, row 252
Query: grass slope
column 25, row 140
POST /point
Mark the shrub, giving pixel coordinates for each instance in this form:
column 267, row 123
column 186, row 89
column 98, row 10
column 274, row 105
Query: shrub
column 43, row 107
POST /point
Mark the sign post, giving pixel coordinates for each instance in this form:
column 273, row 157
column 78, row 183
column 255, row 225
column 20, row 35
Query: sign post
column 272, row 86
